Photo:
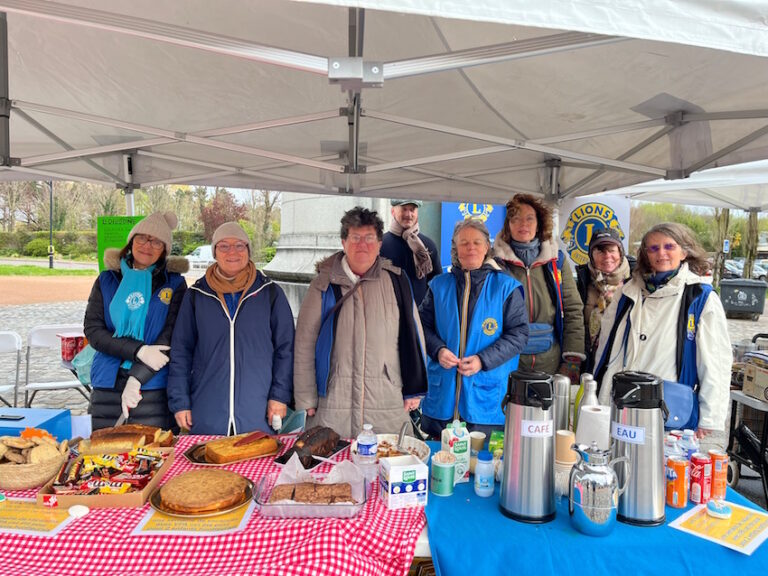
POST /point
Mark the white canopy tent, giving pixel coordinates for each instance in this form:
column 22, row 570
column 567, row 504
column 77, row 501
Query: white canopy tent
column 743, row 187
column 429, row 99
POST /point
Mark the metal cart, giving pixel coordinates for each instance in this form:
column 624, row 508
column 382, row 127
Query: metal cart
column 744, row 446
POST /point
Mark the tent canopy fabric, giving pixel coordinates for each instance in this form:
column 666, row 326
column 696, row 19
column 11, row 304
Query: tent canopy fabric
column 744, row 187
column 429, row 99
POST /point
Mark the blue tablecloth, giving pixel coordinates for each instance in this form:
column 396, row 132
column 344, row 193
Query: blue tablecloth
column 469, row 535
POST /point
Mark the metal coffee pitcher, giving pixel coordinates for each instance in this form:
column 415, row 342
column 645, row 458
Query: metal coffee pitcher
column 593, row 494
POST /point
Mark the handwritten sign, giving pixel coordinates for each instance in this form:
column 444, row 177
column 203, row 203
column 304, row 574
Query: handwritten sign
column 158, row 523
column 744, row 531
column 27, row 517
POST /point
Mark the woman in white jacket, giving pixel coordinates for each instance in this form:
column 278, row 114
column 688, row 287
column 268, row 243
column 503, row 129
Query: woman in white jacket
column 669, row 260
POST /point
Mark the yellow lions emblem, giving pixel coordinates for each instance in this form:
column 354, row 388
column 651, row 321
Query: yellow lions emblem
column 490, row 326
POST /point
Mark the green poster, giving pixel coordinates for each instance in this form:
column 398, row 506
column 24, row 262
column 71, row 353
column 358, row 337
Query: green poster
column 112, row 232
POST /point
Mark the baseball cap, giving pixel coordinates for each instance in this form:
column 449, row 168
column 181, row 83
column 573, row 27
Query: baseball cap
column 605, row 236
column 396, row 202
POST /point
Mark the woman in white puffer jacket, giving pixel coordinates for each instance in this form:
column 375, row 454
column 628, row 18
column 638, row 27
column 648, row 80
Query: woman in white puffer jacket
column 669, row 261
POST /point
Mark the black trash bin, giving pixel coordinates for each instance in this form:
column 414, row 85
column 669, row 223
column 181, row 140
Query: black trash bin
column 743, row 298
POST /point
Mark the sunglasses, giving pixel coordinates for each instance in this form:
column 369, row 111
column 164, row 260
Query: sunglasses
column 654, row 248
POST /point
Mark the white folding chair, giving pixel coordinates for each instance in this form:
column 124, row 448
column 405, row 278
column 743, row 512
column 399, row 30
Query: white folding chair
column 45, row 337
column 11, row 342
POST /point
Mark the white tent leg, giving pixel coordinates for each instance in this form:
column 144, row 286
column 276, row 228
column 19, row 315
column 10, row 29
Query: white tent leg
column 128, row 189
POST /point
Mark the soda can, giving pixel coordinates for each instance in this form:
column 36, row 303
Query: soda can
column 719, row 473
column 701, row 478
column 79, row 344
column 68, row 348
column 678, row 477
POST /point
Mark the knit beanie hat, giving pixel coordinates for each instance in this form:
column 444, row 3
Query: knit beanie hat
column 158, row 224
column 230, row 230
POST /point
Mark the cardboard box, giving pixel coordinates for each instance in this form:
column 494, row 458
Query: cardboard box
column 756, row 382
column 403, row 482
column 129, row 500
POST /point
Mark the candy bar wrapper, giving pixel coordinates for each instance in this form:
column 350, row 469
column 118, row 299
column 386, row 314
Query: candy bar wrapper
column 345, row 471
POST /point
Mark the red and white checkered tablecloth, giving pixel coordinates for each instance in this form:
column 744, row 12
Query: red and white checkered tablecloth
column 377, row 541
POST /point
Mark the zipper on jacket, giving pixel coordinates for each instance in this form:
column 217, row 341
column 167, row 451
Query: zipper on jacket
column 462, row 338
column 362, row 376
column 231, row 425
column 530, row 306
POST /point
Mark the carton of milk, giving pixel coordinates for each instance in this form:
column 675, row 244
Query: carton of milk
column 403, row 482
column 455, row 439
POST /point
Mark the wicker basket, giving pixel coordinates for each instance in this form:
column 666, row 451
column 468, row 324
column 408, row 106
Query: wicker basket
column 23, row 476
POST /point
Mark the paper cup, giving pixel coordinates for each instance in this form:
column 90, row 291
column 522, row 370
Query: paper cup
column 564, row 439
column 442, row 474
column 477, row 441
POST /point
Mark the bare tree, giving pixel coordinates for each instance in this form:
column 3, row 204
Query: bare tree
column 13, row 196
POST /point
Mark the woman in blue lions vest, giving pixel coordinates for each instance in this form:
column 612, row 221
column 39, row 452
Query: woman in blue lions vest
column 475, row 326
column 232, row 364
column 129, row 320
column 665, row 304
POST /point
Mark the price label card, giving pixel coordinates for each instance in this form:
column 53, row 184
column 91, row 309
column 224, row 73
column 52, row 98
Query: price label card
column 27, row 517
column 158, row 523
column 744, row 531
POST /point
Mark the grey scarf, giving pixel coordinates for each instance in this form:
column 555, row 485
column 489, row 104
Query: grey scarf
column 526, row 251
column 421, row 258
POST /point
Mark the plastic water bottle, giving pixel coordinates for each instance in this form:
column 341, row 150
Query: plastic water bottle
column 671, row 447
column 367, row 446
column 689, row 444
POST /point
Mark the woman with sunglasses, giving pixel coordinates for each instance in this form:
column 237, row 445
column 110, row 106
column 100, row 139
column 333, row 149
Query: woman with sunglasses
column 668, row 322
column 129, row 320
column 232, row 364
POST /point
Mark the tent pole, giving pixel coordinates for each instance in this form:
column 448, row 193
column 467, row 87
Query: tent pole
column 5, row 103
column 129, row 187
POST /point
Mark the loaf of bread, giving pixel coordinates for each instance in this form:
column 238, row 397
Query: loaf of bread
column 153, row 436
column 224, row 451
column 319, row 440
column 111, row 444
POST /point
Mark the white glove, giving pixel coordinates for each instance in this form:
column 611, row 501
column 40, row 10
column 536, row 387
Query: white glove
column 131, row 395
column 152, row 355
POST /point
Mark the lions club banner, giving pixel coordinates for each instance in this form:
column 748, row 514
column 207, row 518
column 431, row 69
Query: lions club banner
column 580, row 217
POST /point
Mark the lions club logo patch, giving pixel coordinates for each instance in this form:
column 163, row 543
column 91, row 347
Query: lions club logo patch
column 481, row 211
column 490, row 326
column 582, row 222
column 165, row 295
column 134, row 301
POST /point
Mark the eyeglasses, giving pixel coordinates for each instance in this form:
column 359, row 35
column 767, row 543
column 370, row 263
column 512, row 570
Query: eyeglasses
column 237, row 247
column 142, row 239
column 357, row 239
column 668, row 247
column 521, row 219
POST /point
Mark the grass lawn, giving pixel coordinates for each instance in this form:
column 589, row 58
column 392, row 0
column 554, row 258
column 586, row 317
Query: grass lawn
column 8, row 270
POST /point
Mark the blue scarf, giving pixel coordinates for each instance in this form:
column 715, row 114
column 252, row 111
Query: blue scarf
column 130, row 303
column 526, row 251
column 658, row 279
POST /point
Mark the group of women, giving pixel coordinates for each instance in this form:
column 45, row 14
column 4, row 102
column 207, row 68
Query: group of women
column 364, row 353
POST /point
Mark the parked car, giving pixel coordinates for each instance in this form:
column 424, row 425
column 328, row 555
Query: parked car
column 201, row 257
column 735, row 269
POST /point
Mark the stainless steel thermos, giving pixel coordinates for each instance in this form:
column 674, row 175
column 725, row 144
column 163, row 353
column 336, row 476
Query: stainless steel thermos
column 562, row 389
column 528, row 484
column 637, row 432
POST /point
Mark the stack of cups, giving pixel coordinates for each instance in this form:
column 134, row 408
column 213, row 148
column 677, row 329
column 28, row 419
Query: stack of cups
column 565, row 458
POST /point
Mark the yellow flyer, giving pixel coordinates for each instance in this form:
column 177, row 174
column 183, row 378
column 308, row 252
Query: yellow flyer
column 155, row 522
column 21, row 516
column 744, row 531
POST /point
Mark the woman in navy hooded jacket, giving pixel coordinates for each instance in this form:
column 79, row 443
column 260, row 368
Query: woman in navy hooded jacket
column 232, row 363
column 475, row 326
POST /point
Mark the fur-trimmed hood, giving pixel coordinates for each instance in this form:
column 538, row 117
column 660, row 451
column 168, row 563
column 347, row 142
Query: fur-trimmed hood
column 177, row 264
column 502, row 250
